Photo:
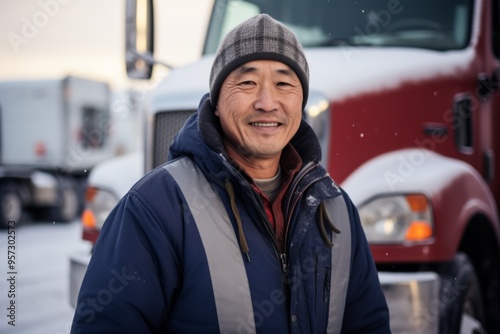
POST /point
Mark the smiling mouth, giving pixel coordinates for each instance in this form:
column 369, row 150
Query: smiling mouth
column 265, row 125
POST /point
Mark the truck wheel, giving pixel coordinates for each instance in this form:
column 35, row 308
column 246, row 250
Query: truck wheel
column 69, row 205
column 11, row 206
column 462, row 308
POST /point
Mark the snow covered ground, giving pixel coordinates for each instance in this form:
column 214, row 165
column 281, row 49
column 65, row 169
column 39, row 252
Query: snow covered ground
column 40, row 273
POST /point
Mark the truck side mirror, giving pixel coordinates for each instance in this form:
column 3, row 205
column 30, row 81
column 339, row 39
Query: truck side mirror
column 139, row 38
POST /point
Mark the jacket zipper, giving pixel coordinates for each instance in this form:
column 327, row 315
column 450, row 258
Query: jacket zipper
column 298, row 178
column 280, row 256
column 310, row 166
column 283, row 256
column 284, row 264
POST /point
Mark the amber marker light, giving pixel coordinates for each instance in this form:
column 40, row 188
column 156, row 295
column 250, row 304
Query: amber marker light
column 90, row 194
column 420, row 227
column 88, row 219
column 418, row 230
column 417, row 202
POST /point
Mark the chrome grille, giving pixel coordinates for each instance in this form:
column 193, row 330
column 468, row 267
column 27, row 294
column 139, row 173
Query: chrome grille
column 166, row 126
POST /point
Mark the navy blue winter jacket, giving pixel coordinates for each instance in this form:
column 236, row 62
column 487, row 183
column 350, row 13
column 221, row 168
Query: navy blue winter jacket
column 149, row 271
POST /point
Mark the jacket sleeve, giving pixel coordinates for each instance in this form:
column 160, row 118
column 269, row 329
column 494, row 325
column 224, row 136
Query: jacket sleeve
column 128, row 286
column 366, row 308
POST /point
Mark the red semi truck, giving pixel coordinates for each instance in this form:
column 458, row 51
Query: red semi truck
column 404, row 99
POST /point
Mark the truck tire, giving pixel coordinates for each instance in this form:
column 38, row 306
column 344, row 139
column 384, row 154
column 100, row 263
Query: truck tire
column 11, row 206
column 461, row 302
column 68, row 206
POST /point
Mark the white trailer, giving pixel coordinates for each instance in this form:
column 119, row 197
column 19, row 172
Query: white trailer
column 54, row 131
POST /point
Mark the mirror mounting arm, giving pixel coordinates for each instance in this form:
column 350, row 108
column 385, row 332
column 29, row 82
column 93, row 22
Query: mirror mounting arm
column 139, row 39
column 148, row 58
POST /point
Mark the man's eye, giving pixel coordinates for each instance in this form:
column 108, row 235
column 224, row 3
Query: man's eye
column 282, row 84
column 248, row 82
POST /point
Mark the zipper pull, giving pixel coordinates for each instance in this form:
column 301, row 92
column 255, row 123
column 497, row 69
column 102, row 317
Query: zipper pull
column 284, row 265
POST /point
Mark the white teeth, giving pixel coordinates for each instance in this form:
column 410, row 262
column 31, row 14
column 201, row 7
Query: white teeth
column 265, row 124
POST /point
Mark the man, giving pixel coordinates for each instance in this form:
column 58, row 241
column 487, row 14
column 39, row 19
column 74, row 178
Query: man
column 242, row 231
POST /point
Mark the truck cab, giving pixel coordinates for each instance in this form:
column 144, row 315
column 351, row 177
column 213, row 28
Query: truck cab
column 404, row 100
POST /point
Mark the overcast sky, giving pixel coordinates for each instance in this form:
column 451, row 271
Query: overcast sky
column 53, row 38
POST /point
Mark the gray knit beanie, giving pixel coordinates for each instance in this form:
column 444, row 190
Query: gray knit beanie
column 258, row 38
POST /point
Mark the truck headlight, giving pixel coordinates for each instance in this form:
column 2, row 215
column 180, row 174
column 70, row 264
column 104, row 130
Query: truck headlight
column 318, row 116
column 98, row 205
column 398, row 219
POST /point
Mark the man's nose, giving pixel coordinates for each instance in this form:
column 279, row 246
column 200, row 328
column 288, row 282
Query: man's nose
column 266, row 99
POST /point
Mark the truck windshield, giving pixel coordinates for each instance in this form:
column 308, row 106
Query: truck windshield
column 438, row 25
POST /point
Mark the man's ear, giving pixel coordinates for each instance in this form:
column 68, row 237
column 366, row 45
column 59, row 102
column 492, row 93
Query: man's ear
column 216, row 112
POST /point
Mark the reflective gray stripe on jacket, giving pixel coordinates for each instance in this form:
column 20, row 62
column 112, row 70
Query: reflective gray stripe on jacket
column 341, row 261
column 227, row 270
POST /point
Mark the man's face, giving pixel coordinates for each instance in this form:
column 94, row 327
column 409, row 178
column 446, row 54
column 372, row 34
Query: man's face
column 260, row 109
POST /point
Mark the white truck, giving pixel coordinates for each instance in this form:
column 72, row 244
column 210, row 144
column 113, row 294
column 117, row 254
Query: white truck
column 404, row 100
column 53, row 132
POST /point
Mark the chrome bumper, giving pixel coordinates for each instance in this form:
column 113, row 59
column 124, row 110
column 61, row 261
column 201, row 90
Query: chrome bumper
column 78, row 264
column 413, row 301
